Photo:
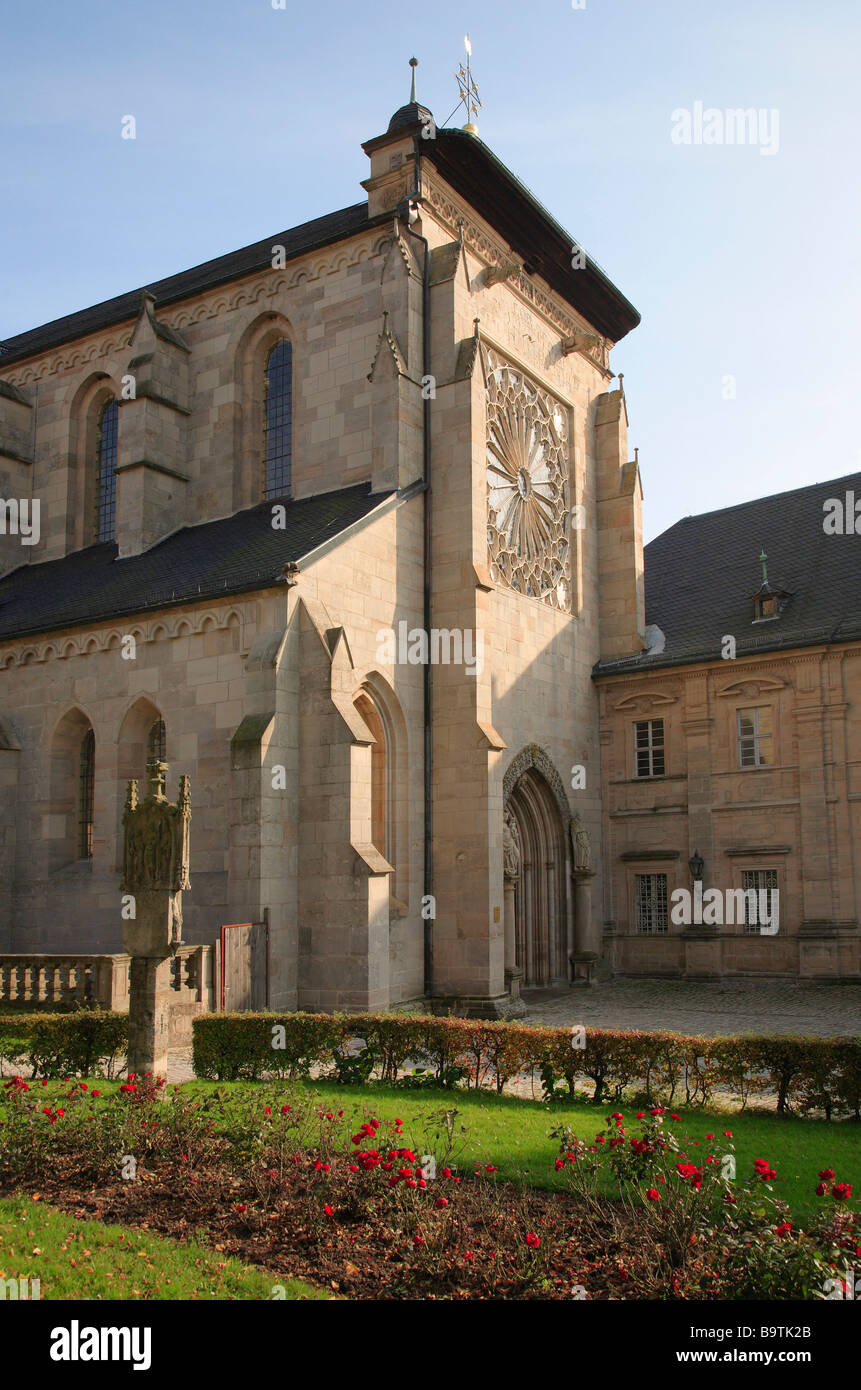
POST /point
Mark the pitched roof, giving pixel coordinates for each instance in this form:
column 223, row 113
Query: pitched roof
column 701, row 575
column 238, row 554
column 472, row 169
column 296, row 242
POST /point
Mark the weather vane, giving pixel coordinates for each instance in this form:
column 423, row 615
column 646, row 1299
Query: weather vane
column 469, row 97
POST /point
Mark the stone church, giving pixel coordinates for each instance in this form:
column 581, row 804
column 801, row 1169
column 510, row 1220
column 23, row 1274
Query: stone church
column 343, row 526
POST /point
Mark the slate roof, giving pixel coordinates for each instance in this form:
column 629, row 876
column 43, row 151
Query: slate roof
column 702, row 572
column 239, row 554
column 296, row 242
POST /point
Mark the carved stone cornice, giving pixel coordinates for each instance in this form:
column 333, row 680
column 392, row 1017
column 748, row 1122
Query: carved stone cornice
column 143, row 627
column 455, row 214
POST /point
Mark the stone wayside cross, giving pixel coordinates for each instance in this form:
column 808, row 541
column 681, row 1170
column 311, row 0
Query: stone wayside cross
column 155, row 872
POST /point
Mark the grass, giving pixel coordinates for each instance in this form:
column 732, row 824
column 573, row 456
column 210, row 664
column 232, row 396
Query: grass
column 76, row 1259
column 514, row 1134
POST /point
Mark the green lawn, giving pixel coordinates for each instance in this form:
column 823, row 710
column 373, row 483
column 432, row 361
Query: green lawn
column 514, row 1133
column 75, row 1259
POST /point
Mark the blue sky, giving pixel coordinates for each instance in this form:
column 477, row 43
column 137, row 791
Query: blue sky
column 249, row 119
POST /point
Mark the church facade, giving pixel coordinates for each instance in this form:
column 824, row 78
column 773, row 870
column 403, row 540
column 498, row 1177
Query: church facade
column 343, row 527
column 338, row 526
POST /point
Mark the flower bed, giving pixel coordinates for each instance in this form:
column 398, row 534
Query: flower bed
column 378, row 1210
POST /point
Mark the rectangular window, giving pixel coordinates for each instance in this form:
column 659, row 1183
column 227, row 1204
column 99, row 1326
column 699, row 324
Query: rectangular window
column 649, row 748
column 754, row 737
column 760, row 911
column 650, row 903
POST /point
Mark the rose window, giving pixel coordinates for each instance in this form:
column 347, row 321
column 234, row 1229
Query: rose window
column 527, row 487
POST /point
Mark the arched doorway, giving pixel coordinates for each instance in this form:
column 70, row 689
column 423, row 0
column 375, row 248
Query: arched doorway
column 541, row 908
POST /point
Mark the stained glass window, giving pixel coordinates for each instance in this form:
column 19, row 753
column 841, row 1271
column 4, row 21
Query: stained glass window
column 87, row 795
column 278, row 422
column 107, row 499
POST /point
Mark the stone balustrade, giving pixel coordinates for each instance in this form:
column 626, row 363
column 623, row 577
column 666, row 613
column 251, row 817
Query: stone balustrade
column 46, row 982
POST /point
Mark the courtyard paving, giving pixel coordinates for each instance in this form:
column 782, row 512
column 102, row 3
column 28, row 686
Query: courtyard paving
column 731, row 1006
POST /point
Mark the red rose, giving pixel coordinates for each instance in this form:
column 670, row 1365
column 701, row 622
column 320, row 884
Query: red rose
column 821, row 1189
column 532, row 1240
column 841, row 1191
column 827, row 1173
column 441, row 1202
column 653, row 1194
column 328, row 1210
column 783, row 1229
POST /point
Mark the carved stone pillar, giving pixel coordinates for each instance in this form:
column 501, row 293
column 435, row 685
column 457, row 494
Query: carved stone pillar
column 513, row 973
column 155, row 871
column 587, row 943
column 511, row 873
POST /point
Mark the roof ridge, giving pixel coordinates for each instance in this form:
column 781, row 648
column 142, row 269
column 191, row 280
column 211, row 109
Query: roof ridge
column 755, row 501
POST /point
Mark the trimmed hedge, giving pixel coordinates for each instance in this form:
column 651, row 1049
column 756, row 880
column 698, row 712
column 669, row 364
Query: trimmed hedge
column 65, row 1044
column 806, row 1074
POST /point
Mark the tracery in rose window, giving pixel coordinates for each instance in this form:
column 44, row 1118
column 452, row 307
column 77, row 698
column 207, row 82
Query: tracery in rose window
column 527, row 486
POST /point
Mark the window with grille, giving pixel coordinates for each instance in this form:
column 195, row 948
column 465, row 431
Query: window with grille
column 649, row 748
column 86, row 795
column 278, row 422
column 650, row 904
column 107, row 498
column 754, row 737
column 762, row 910
column 156, row 742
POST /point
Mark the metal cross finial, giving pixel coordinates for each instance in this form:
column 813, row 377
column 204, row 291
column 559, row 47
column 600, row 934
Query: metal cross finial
column 762, row 559
column 469, row 97
column 414, row 62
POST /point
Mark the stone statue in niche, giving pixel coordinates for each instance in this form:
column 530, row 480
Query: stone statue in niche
column 581, row 845
column 155, row 852
column 510, row 847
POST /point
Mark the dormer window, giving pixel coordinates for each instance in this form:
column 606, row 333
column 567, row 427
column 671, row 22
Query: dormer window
column 768, row 603
column 766, row 606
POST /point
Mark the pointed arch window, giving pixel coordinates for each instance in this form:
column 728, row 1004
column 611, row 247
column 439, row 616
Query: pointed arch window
column 278, row 419
column 86, row 796
column 156, row 744
column 107, row 484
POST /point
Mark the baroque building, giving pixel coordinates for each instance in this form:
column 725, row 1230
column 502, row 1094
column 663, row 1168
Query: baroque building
column 339, row 525
column 731, row 747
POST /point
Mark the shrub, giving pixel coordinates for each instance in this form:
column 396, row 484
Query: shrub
column 804, row 1073
column 67, row 1044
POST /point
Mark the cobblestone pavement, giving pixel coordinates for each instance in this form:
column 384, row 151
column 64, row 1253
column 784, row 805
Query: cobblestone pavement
column 733, row 1006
